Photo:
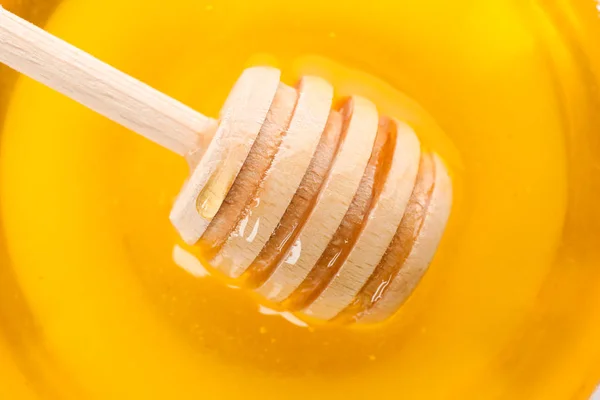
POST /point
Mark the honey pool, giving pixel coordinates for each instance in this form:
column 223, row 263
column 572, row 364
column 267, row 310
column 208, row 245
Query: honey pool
column 95, row 304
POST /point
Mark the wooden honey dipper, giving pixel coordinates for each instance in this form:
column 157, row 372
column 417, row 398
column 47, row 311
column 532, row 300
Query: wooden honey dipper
column 332, row 212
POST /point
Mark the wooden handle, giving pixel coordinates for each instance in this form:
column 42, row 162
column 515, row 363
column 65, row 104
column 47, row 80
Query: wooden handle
column 100, row 87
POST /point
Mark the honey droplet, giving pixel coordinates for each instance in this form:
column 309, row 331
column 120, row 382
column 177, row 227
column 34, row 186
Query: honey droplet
column 213, row 193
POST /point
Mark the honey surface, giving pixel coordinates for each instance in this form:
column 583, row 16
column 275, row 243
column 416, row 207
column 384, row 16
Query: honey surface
column 95, row 305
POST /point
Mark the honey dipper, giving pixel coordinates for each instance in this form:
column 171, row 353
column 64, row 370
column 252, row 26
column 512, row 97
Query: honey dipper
column 335, row 213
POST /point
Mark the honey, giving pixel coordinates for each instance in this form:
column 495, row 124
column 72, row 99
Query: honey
column 93, row 303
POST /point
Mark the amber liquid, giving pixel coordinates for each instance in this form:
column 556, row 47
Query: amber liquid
column 93, row 303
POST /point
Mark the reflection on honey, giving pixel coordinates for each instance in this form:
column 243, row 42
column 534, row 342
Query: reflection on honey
column 93, row 303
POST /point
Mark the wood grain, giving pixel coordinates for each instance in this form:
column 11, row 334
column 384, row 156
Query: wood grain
column 378, row 230
column 242, row 117
column 333, row 202
column 419, row 236
column 347, row 233
column 246, row 185
column 286, row 233
column 282, row 180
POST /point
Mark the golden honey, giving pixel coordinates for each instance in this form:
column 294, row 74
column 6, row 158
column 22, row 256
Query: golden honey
column 93, row 303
